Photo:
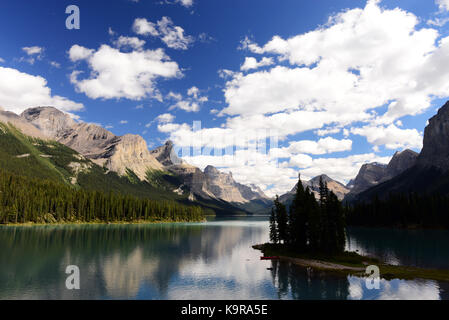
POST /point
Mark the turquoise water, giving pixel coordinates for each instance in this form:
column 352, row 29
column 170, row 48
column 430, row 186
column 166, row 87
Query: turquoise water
column 213, row 260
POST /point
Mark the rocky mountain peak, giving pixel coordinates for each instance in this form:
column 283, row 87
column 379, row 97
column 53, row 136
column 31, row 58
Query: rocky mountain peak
column 401, row 161
column 51, row 121
column 211, row 170
column 435, row 150
column 21, row 124
column 372, row 174
column 166, row 155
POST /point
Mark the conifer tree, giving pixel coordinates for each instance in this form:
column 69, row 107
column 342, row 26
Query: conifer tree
column 273, row 227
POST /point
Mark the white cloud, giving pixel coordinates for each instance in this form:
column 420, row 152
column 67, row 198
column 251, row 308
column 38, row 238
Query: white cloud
column 361, row 60
column 2, row 60
column 192, row 103
column 173, row 36
column 185, row 3
column 19, row 91
column 342, row 73
column 144, row 27
column 115, row 74
column 123, row 121
column 55, row 64
column 33, row 51
column 130, row 42
column 165, row 118
column 443, row 4
column 391, row 136
column 322, row 146
column 77, row 53
column 252, row 63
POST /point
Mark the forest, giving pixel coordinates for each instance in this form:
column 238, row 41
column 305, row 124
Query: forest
column 401, row 210
column 25, row 200
column 310, row 225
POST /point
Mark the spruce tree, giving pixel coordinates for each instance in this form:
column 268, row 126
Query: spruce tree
column 282, row 220
column 273, row 228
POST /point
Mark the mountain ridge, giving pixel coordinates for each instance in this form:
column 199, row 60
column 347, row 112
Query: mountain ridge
column 130, row 153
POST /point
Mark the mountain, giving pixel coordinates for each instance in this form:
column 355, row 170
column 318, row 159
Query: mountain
column 210, row 183
column 115, row 153
column 314, row 185
column 128, row 156
column 430, row 172
column 21, row 124
column 372, row 174
column 435, row 151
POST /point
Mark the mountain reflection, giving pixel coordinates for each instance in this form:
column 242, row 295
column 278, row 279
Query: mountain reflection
column 194, row 261
column 114, row 260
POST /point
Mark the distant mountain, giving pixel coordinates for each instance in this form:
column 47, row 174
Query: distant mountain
column 430, row 172
column 210, row 183
column 314, row 185
column 373, row 174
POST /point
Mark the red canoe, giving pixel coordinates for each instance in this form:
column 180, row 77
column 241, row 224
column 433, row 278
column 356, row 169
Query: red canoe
column 269, row 258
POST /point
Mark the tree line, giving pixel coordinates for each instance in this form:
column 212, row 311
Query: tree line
column 310, row 225
column 401, row 210
column 24, row 199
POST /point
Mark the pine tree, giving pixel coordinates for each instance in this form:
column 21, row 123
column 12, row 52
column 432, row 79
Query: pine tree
column 273, row 228
column 281, row 220
column 298, row 218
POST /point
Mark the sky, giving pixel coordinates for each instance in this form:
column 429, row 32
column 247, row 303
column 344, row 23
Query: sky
column 263, row 89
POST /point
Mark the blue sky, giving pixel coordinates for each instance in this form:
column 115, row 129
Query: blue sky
column 278, row 86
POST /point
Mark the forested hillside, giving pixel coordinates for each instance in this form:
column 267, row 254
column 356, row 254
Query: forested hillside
column 34, row 158
column 25, row 200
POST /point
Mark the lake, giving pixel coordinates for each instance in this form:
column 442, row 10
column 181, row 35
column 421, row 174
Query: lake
column 212, row 260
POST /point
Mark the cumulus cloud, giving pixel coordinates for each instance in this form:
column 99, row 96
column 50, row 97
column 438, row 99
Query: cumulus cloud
column 391, row 136
column 443, row 4
column 185, row 3
column 252, row 63
column 129, row 42
column 173, row 36
column 144, row 27
column 363, row 59
column 19, row 91
column 345, row 73
column 191, row 103
column 78, row 52
column 165, row 118
column 115, row 74
column 322, row 146
column 34, row 53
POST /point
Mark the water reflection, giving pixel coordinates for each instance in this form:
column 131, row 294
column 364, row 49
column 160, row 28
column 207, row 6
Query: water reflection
column 175, row 261
column 421, row 248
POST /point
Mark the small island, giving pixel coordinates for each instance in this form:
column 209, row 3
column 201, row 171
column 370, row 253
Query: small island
column 312, row 235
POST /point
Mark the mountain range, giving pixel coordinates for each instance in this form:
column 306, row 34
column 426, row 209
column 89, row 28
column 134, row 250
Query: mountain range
column 428, row 173
column 89, row 156
column 128, row 156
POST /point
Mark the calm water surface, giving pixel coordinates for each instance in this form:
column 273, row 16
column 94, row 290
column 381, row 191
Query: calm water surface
column 213, row 260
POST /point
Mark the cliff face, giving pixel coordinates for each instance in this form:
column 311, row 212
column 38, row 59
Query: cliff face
column 435, row 152
column 373, row 174
column 94, row 142
column 369, row 175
